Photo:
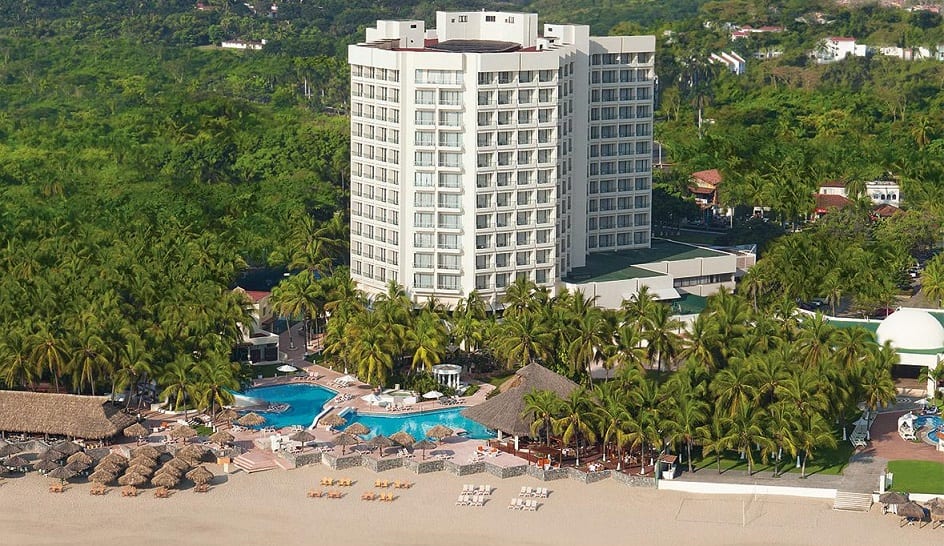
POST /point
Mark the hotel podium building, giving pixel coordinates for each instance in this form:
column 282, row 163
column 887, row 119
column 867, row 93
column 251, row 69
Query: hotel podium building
column 486, row 149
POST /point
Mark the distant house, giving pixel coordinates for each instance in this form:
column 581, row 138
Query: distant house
column 734, row 62
column 703, row 186
column 241, row 44
column 747, row 30
column 258, row 345
column 824, row 202
column 837, row 48
column 884, row 194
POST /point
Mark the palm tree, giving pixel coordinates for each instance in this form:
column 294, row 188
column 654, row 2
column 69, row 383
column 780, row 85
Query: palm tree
column 543, row 407
column 629, row 352
column 734, row 389
column 713, row 438
column 746, row 429
column 216, row 380
column 16, row 367
column 660, row 329
column 88, row 357
column 702, row 342
column 932, row 279
column 815, row 435
column 686, row 414
column 816, row 339
column 519, row 296
column 48, row 353
column 427, row 340
column 784, row 428
column 179, row 383
column 522, row 339
column 766, row 372
column 590, row 336
column 612, row 417
column 934, row 374
column 876, row 383
column 372, row 347
column 576, row 419
column 134, row 364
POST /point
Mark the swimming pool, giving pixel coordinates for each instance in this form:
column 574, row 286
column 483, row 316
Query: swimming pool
column 417, row 424
column 935, row 421
column 305, row 402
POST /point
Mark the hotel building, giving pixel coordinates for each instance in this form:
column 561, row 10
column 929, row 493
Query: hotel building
column 484, row 150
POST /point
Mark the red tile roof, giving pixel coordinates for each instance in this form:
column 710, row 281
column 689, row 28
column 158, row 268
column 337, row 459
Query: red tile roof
column 257, row 295
column 833, row 184
column 711, row 177
column 825, row 202
column 885, row 210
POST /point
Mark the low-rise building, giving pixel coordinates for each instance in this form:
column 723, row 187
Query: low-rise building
column 734, row 62
column 837, row 48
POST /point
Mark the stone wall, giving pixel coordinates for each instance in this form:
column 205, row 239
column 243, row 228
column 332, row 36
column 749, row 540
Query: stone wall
column 464, row 469
column 633, row 481
column 506, row 472
column 425, row 467
column 587, row 477
column 381, row 465
column 547, row 475
column 343, row 462
column 302, row 459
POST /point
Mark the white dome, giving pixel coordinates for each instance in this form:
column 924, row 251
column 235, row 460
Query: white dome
column 911, row 329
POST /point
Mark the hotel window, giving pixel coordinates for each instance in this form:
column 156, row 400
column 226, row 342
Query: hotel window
column 423, row 159
column 423, row 199
column 449, row 139
column 504, row 118
column 504, row 97
column 425, row 97
column 483, row 181
column 450, row 98
column 502, row 240
column 483, row 262
column 450, row 221
column 423, row 280
column 448, row 241
column 449, row 200
column 449, row 180
column 450, row 119
column 485, row 119
column 524, row 137
column 502, row 260
column 424, row 138
column 423, row 240
column 522, row 258
column 423, row 261
column 505, row 77
column 424, row 117
column 482, row 282
column 485, row 98
column 504, row 138
column 449, row 261
column 450, row 159
column 546, row 76
column 504, row 159
column 501, row 280
column 423, row 180
column 525, row 96
column 423, row 219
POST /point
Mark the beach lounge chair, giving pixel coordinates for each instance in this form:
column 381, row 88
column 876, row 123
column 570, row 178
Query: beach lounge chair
column 368, row 496
column 129, row 491
column 201, row 488
column 161, row 493
column 477, row 500
column 541, row 492
column 56, row 488
column 468, row 488
column 314, row 493
column 327, row 481
column 485, row 489
column 525, row 491
column 463, row 500
column 389, row 497
column 531, row 505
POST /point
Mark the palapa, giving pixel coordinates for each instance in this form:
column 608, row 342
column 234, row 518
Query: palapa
column 423, row 445
column 45, row 465
column 78, row 466
column 67, row 447
column 893, row 497
column 936, row 506
column 111, row 467
column 192, row 452
column 116, row 458
column 173, row 470
column 80, row 457
column 912, row 509
column 139, row 469
column 333, row 420
column 227, row 416
column 251, row 419
column 439, row 432
column 302, row 436
column 141, row 460
column 221, row 437
column 133, row 479
column 61, row 473
column 102, row 477
column 380, row 442
column 357, row 429
column 15, row 461
column 69, row 415
column 9, row 449
column 405, row 439
column 52, row 455
column 200, row 475
column 165, row 479
column 345, row 439
column 136, row 430
column 183, row 432
column 179, row 464
column 150, row 452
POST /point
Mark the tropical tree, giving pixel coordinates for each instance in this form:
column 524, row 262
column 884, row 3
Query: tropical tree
column 660, row 330
column 576, row 419
column 814, row 435
column 713, row 438
column 744, row 430
column 523, row 339
column 542, row 406
column 932, row 280
column 426, row 340
column 734, row 389
column 180, row 383
column 784, row 427
column 686, row 414
column 216, row 381
column 371, row 347
column 16, row 366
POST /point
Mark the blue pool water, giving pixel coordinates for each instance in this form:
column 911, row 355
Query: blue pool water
column 305, row 401
column 418, row 423
column 935, row 421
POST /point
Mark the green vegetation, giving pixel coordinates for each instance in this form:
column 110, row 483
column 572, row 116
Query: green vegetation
column 829, row 461
column 917, row 476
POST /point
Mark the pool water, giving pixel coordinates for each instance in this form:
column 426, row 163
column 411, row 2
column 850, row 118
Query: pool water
column 935, row 421
column 305, row 402
column 418, row 423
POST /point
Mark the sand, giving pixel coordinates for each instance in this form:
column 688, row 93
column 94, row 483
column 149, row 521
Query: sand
column 272, row 507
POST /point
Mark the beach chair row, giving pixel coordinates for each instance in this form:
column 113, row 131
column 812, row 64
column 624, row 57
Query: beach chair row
column 523, row 504
column 470, row 500
column 370, row 496
column 344, row 482
column 317, row 494
column 469, row 489
column 395, row 485
column 539, row 492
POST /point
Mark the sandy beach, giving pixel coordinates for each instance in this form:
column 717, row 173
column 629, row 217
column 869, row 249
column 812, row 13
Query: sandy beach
column 272, row 507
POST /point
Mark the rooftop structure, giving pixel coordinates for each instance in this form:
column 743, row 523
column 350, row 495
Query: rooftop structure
column 490, row 148
column 71, row 415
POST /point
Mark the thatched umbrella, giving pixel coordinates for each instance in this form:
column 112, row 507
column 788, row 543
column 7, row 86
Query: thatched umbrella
column 183, row 432
column 111, row 467
column 139, row 469
column 345, row 439
column 200, row 475
column 222, row 437
column 424, row 445
column 133, row 479
column 893, row 497
column 251, row 419
column 15, row 461
column 439, row 432
column 302, row 436
column 912, row 509
column 45, row 465
column 116, row 458
column 136, row 430
column 405, row 439
column 380, row 442
column 192, row 453
column 150, row 452
column 179, row 464
column 227, row 416
column 62, row 474
column 52, row 455
column 9, row 449
column 80, row 457
column 102, row 477
column 333, row 420
column 357, row 429
column 67, row 447
column 935, row 505
column 78, row 466
column 172, row 469
column 141, row 460
column 164, row 479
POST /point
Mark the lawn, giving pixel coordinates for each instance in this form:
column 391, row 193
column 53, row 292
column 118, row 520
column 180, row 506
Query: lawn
column 917, row 476
column 825, row 461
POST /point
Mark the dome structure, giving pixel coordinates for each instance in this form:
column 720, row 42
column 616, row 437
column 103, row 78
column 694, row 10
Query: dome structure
column 911, row 329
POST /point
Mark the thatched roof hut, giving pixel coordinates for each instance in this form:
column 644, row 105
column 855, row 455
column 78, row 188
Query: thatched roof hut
column 504, row 411
column 76, row 416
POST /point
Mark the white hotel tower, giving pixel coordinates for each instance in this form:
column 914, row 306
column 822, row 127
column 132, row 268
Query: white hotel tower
column 482, row 151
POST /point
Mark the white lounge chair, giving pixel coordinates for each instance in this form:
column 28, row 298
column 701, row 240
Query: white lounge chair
column 468, row 488
column 513, row 505
column 485, row 489
column 524, row 491
column 463, row 500
column 541, row 492
column 478, row 500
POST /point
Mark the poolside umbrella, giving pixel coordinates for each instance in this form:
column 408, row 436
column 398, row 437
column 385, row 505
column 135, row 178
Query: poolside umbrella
column 102, row 477
column 285, row 368
column 133, row 479
column 61, row 473
column 345, row 439
column 333, row 420
column 432, row 395
column 80, row 457
column 302, row 436
column 136, row 430
column 200, row 475
column 893, row 497
column 221, row 437
column 45, row 465
column 115, row 458
column 139, row 469
column 251, row 419
column 424, row 445
column 227, row 415
column 439, row 432
column 179, row 464
column 912, row 509
column 111, row 467
column 9, row 449
column 380, row 441
column 403, row 438
column 67, row 447
column 150, row 452
column 15, row 461
column 78, row 466
column 357, row 429
column 183, row 432
column 163, row 479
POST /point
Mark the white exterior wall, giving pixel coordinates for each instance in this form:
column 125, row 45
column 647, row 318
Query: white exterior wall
column 610, row 294
column 884, row 193
column 470, row 169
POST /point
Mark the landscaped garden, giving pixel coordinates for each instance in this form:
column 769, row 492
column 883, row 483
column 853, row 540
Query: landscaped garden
column 917, row 476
